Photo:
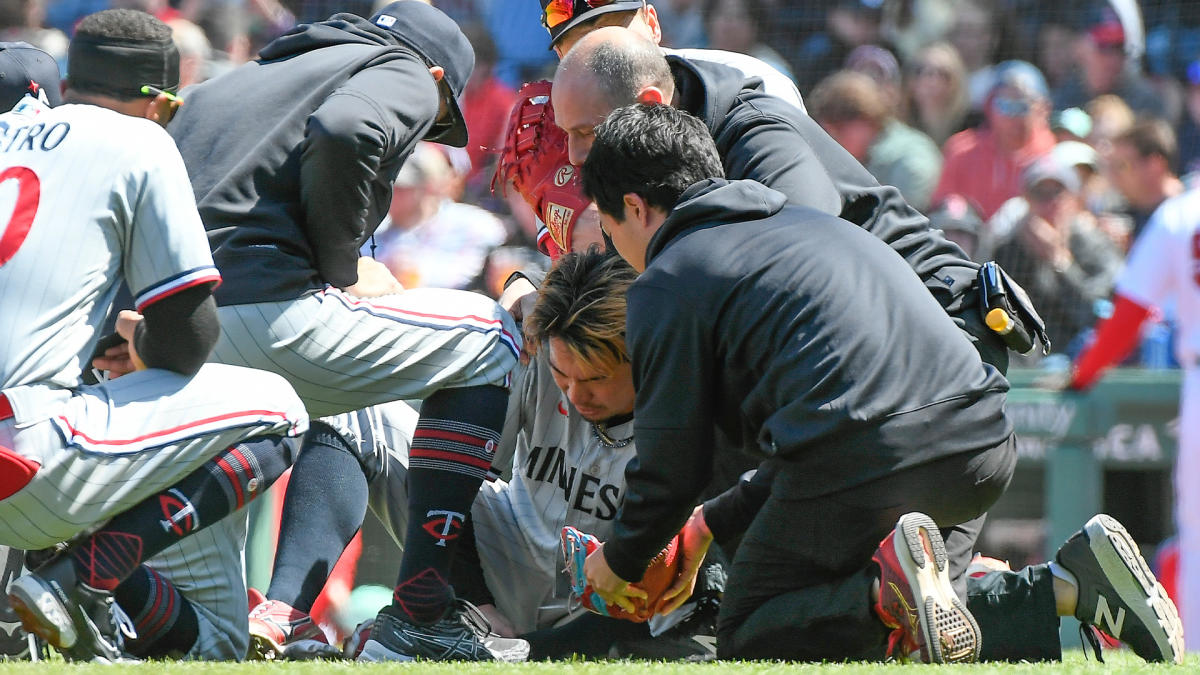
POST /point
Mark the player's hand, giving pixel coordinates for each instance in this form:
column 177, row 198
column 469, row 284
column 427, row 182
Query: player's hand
column 374, row 280
column 115, row 361
column 607, row 584
column 693, row 544
column 122, row 358
column 518, row 300
column 163, row 108
column 500, row 624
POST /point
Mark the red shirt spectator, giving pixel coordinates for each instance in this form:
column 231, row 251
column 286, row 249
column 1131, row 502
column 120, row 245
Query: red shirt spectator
column 485, row 108
column 485, row 102
column 985, row 164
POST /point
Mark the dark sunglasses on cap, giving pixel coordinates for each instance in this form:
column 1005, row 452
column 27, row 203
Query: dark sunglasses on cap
column 559, row 12
column 1046, row 191
column 1011, row 107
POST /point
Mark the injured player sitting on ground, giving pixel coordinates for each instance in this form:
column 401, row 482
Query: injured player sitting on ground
column 567, row 438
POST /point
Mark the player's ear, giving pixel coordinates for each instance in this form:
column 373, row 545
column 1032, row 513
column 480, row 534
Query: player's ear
column 652, row 23
column 437, row 72
column 635, row 209
column 651, row 94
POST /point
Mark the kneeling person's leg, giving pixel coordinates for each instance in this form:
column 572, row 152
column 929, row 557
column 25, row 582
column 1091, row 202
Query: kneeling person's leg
column 68, row 601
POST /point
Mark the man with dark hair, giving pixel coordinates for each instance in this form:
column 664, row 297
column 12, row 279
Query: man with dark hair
column 760, row 137
column 1141, row 166
column 854, row 109
column 830, row 361
column 128, row 471
column 117, row 48
column 337, row 108
column 829, row 304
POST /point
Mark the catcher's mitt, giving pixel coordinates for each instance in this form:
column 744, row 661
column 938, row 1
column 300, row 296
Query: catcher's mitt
column 534, row 159
column 659, row 575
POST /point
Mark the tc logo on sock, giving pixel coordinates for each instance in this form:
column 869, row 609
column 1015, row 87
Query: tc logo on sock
column 180, row 512
column 445, row 527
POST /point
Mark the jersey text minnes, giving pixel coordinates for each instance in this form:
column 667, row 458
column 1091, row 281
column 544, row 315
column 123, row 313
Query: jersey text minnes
column 581, row 490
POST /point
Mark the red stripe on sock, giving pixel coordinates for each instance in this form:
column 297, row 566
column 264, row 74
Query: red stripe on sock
column 456, row 457
column 169, row 591
column 154, row 610
column 466, row 439
column 237, row 487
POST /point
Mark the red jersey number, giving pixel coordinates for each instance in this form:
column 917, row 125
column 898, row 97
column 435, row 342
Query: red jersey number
column 29, row 191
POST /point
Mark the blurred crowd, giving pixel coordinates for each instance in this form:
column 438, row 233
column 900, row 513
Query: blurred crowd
column 1041, row 135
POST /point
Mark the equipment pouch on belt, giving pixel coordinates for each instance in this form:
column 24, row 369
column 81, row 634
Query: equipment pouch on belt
column 1007, row 310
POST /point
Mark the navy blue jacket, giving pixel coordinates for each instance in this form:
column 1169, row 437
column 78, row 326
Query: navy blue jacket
column 815, row 346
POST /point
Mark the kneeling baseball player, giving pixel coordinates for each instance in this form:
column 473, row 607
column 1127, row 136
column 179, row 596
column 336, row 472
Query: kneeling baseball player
column 132, row 467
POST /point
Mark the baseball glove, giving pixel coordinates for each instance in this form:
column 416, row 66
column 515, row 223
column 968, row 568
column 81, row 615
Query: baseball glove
column 659, row 575
column 534, row 160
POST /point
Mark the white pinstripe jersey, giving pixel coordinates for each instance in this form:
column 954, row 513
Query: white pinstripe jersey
column 88, row 197
column 561, row 475
column 1164, row 264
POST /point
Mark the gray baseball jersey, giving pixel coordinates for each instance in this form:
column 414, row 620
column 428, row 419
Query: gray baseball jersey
column 561, row 475
column 97, row 197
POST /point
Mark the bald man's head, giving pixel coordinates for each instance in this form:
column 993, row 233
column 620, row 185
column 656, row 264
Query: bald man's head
column 608, row 68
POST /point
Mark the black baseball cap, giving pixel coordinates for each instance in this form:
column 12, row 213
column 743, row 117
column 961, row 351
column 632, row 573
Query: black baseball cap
column 440, row 42
column 560, row 16
column 25, row 69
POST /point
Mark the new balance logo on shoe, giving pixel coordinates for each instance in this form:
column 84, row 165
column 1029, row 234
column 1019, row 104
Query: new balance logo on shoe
column 1106, row 565
column 1104, row 618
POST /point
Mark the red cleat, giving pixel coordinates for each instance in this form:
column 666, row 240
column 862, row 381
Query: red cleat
column 916, row 599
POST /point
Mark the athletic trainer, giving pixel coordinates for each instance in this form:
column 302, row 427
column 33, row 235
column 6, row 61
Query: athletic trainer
column 814, row 347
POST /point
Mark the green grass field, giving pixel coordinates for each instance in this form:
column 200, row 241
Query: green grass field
column 1074, row 663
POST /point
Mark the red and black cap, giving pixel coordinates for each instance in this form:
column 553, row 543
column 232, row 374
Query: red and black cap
column 560, row 16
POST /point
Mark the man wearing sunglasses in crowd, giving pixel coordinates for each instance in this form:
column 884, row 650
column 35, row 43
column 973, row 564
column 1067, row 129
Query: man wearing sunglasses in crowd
column 985, row 164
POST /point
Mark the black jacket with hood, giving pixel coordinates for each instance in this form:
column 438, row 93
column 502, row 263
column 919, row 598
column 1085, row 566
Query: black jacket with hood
column 292, row 156
column 815, row 346
column 766, row 139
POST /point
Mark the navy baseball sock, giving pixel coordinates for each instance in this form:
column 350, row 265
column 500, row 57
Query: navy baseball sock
column 219, row 487
column 164, row 620
column 325, row 505
column 451, row 453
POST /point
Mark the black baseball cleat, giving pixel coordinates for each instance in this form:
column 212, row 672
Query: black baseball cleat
column 1118, row 594
column 81, row 622
column 452, row 638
